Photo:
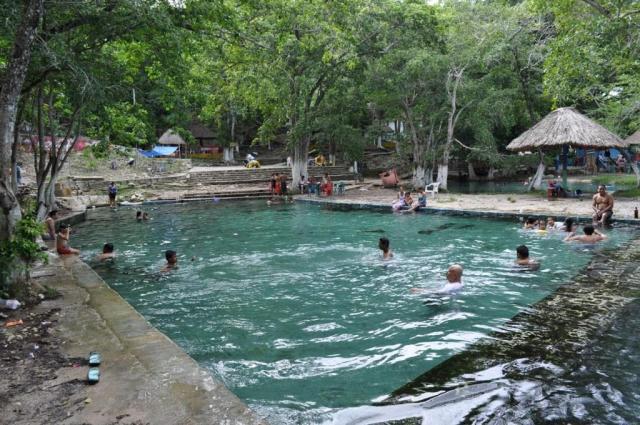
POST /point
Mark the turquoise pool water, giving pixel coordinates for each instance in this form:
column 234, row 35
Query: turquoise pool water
column 291, row 306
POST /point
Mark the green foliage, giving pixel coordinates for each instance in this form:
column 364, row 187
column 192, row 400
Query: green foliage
column 21, row 250
column 621, row 179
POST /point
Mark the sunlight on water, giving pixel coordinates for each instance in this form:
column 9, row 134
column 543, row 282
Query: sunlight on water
column 291, row 306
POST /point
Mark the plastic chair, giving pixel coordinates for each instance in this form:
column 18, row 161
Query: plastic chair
column 432, row 188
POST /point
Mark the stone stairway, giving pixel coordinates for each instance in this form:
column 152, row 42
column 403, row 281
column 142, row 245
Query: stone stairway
column 263, row 175
column 235, row 194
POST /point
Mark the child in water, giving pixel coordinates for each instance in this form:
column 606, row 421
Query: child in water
column 172, row 260
column 383, row 244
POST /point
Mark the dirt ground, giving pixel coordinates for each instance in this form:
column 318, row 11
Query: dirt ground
column 40, row 385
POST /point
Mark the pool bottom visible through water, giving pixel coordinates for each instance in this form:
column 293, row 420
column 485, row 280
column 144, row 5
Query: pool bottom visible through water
column 292, row 308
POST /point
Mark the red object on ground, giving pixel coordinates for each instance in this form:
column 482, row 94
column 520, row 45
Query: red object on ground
column 389, row 178
column 13, row 323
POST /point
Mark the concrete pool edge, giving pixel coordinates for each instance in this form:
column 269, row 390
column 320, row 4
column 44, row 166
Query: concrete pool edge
column 386, row 207
column 144, row 373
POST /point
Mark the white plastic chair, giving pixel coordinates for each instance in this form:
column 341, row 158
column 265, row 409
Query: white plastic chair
column 432, row 188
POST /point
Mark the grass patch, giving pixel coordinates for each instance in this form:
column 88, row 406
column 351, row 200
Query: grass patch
column 629, row 193
column 621, row 179
column 50, row 293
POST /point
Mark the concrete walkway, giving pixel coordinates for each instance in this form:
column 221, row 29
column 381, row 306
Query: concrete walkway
column 145, row 377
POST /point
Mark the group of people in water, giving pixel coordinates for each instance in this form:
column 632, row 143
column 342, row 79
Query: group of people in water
column 602, row 212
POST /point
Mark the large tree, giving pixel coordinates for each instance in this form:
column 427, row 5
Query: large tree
column 13, row 79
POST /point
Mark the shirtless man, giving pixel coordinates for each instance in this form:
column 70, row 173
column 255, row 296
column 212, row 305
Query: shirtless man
column 50, row 225
column 602, row 206
column 62, row 241
column 522, row 258
column 591, row 236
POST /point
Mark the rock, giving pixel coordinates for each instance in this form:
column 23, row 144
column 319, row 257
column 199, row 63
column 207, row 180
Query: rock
column 62, row 189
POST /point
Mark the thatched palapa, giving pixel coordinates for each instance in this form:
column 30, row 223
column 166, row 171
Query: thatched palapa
column 566, row 126
column 170, row 137
column 634, row 139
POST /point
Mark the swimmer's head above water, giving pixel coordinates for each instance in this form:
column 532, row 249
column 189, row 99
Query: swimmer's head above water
column 454, row 273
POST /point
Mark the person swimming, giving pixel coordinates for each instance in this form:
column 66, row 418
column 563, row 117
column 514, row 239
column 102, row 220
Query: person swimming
column 523, row 260
column 138, row 215
column 172, row 260
column 107, row 253
column 591, row 236
column 383, row 244
column 530, row 224
column 453, row 285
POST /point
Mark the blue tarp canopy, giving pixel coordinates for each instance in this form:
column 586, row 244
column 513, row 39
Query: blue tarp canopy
column 158, row 151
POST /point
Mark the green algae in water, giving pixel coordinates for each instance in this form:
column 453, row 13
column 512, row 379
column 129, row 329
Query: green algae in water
column 291, row 306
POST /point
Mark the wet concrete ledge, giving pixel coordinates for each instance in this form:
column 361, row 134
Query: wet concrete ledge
column 144, row 375
column 386, row 207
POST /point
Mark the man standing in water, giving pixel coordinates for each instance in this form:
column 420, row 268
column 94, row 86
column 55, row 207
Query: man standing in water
column 602, row 206
column 113, row 191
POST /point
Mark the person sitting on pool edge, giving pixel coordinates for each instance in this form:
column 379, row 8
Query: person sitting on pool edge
column 602, row 206
column 591, row 236
column 62, row 241
column 454, row 281
column 172, row 260
column 383, row 244
column 107, row 253
column 523, row 260
column 50, row 226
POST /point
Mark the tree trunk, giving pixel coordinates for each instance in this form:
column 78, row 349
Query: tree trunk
column 300, row 155
column 443, row 175
column 428, row 176
column 12, row 82
column 227, row 154
column 471, row 171
column 636, row 171
column 536, row 181
column 492, row 174
column 453, row 78
column 419, row 180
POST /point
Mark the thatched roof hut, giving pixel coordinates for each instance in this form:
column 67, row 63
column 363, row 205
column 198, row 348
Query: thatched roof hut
column 634, row 139
column 566, row 126
column 170, row 137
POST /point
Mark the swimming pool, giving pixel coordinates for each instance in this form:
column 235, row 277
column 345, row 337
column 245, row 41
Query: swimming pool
column 292, row 309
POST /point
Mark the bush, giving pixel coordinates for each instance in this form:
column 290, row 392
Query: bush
column 21, row 251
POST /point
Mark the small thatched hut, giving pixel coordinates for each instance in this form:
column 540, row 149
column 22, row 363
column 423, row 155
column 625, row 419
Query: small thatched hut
column 564, row 127
column 172, row 138
column 634, row 139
